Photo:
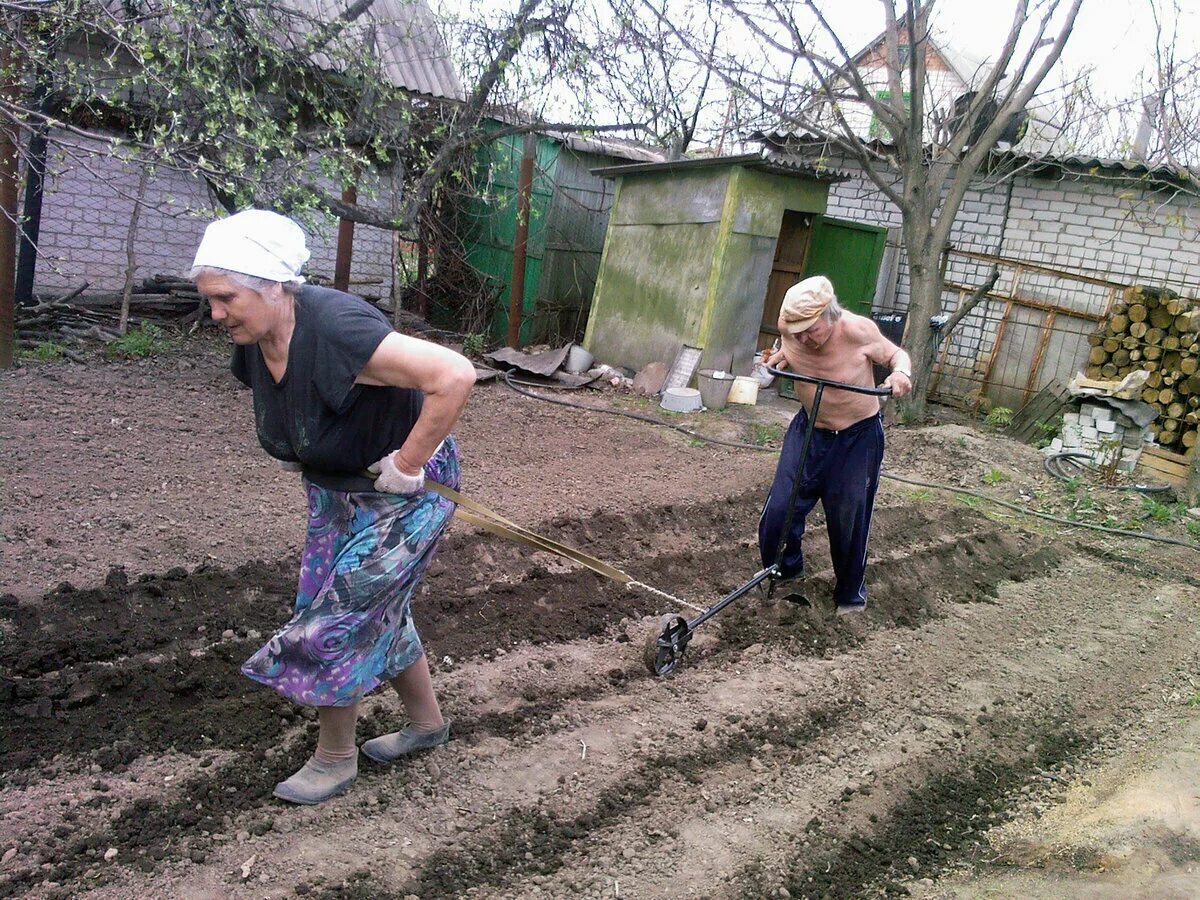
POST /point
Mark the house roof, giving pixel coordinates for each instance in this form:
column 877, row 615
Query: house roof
column 968, row 68
column 766, row 160
column 413, row 54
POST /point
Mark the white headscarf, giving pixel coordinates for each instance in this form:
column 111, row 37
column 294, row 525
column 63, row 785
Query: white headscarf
column 255, row 242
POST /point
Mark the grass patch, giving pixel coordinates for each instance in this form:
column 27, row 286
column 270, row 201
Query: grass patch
column 999, row 417
column 994, row 476
column 44, row 351
column 139, row 343
column 766, row 435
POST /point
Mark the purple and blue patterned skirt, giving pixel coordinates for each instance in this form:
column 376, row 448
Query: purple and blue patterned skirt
column 364, row 555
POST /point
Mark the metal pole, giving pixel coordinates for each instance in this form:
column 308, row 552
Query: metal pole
column 31, row 212
column 345, row 243
column 516, row 296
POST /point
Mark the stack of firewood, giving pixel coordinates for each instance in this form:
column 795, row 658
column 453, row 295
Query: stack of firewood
column 81, row 317
column 1156, row 330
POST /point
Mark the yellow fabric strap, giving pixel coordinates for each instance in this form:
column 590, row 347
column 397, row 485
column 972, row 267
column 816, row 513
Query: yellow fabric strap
column 475, row 513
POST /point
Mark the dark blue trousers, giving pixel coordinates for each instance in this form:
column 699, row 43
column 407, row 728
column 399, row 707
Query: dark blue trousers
column 842, row 471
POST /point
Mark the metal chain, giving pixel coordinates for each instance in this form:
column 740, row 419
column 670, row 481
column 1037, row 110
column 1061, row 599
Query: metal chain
column 663, row 594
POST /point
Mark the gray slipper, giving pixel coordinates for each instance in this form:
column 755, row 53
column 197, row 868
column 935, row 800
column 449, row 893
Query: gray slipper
column 317, row 781
column 390, row 747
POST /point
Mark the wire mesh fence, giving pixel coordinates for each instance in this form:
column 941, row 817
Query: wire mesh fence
column 1033, row 326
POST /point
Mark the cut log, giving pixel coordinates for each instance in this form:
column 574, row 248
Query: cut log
column 1137, row 312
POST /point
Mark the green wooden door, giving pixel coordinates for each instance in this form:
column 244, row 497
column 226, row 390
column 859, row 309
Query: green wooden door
column 848, row 254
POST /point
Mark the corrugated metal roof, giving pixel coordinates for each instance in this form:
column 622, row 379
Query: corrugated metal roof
column 766, row 160
column 412, row 51
column 411, row 48
column 1108, row 165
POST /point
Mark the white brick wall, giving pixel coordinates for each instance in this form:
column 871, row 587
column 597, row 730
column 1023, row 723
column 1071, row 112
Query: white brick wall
column 1103, row 226
column 88, row 201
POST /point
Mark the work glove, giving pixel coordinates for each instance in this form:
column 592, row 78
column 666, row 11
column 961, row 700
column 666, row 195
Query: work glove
column 391, row 480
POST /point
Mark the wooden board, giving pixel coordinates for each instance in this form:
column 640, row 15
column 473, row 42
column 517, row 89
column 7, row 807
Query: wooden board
column 1164, row 465
column 1051, row 401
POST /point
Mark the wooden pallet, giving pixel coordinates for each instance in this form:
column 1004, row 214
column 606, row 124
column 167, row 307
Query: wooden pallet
column 1155, row 462
column 1051, row 401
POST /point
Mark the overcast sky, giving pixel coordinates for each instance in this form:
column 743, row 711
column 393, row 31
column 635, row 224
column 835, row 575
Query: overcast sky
column 1113, row 40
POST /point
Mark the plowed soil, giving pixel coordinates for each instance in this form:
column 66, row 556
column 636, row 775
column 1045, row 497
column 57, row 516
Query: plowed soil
column 1005, row 666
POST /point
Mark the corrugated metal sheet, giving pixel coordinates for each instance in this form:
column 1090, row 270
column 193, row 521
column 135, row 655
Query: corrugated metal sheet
column 1107, row 165
column 411, row 49
column 600, row 145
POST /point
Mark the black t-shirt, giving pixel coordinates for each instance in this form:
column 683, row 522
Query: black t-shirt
column 317, row 415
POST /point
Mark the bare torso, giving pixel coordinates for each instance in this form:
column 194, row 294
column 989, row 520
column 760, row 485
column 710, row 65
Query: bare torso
column 854, row 343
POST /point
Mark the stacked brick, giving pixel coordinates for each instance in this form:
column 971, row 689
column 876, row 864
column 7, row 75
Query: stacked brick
column 1108, row 436
column 1157, row 331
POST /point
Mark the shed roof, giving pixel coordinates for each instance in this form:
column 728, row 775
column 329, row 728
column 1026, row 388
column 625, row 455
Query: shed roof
column 766, row 160
column 411, row 48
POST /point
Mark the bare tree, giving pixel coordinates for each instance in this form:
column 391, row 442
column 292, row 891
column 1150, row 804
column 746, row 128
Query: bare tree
column 650, row 75
column 807, row 80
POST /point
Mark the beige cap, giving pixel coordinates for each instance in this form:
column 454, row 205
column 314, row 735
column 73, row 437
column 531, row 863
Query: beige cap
column 804, row 303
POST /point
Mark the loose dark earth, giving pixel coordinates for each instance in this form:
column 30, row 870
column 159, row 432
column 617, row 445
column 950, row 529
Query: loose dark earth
column 1005, row 665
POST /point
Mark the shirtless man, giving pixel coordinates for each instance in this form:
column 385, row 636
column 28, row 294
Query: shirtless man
column 820, row 339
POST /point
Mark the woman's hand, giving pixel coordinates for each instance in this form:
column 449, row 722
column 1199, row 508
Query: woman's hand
column 392, row 480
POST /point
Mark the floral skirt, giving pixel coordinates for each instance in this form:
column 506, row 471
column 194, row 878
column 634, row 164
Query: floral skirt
column 363, row 557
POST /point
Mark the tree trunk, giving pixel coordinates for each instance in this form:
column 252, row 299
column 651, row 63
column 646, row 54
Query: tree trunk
column 924, row 302
column 131, row 251
column 8, row 213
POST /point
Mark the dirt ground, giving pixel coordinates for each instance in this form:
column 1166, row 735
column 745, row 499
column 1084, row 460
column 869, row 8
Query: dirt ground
column 1010, row 718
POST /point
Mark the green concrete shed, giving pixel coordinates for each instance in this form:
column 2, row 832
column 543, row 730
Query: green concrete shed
column 699, row 252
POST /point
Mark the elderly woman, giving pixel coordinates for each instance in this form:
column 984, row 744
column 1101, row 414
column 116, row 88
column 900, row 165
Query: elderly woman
column 337, row 395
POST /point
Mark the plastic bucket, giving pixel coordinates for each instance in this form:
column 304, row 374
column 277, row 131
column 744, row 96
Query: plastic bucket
column 714, row 387
column 578, row 360
column 744, row 390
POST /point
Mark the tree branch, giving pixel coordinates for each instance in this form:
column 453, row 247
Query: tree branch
column 977, row 297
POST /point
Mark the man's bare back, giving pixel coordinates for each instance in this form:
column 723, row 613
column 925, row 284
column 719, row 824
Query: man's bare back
column 843, row 350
